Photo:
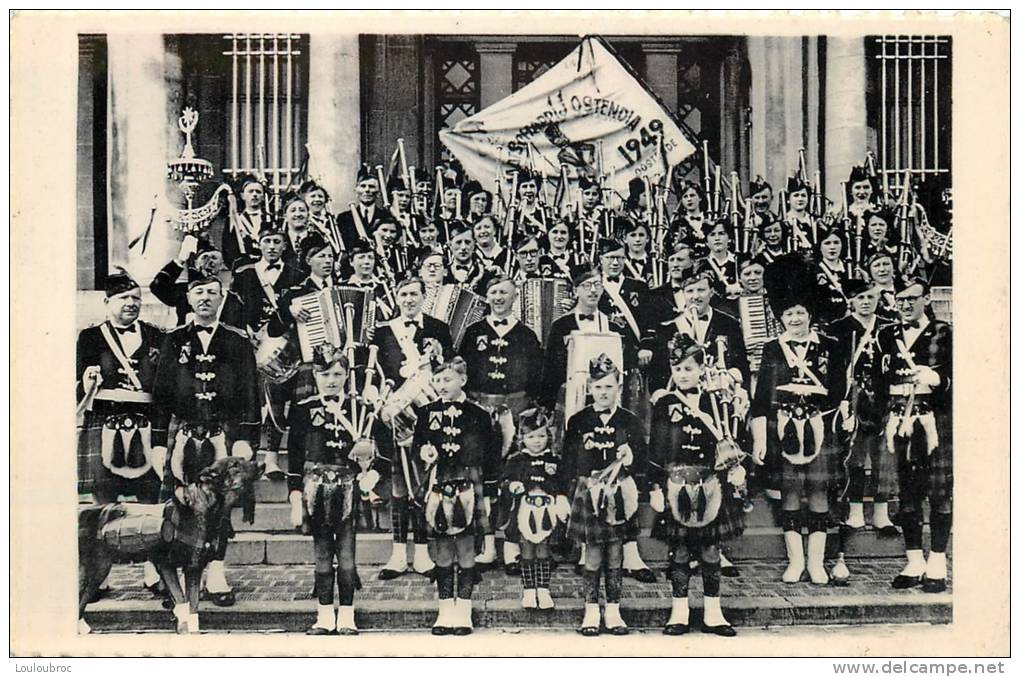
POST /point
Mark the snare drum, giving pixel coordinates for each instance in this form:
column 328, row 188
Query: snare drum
column 277, row 358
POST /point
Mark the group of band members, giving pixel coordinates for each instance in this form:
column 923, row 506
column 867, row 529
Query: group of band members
column 780, row 369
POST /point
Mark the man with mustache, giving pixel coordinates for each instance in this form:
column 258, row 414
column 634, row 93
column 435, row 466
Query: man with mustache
column 199, row 259
column 206, row 406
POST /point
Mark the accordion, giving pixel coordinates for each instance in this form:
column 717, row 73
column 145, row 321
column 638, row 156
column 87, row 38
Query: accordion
column 540, row 302
column 340, row 316
column 758, row 325
column 459, row 308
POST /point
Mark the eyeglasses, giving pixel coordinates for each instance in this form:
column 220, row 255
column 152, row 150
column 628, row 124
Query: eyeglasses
column 432, row 266
column 908, row 299
column 529, row 254
column 590, row 286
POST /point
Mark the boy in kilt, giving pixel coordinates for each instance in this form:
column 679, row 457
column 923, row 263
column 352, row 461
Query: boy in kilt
column 333, row 455
column 455, row 439
column 602, row 443
column 690, row 484
column 535, row 502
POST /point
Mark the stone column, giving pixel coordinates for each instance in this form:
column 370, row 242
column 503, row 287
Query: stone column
column 846, row 124
column 661, row 72
column 334, row 114
column 495, row 71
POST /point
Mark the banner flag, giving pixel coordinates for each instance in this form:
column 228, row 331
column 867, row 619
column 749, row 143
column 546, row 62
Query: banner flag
column 587, row 113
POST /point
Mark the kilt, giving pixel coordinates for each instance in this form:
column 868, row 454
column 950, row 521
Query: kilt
column 96, row 479
column 275, row 397
column 869, row 449
column 816, row 475
column 585, row 528
column 931, row 475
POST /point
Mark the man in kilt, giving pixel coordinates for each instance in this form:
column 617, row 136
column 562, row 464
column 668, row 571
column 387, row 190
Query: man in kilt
column 689, row 486
column 601, row 447
column 206, row 404
column 913, row 372
column 116, row 365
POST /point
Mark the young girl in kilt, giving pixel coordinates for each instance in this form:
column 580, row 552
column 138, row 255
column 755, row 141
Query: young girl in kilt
column 333, row 464
column 600, row 447
column 533, row 494
column 690, row 484
column 800, row 383
column 456, row 440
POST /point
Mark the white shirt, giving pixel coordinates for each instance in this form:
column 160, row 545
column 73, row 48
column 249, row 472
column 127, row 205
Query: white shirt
column 129, row 341
column 270, row 276
column 320, row 282
column 910, row 334
column 504, row 329
column 205, row 338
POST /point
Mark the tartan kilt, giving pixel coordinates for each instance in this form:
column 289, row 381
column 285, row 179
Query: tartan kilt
column 584, row 528
column 728, row 525
column 480, row 518
column 820, row 472
column 929, row 475
column 327, row 525
column 869, row 443
column 95, row 478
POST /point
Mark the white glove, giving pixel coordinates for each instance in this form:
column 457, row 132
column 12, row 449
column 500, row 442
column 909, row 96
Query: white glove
column 563, row 508
column 737, row 475
column 242, row 450
column 656, row 500
column 516, row 488
column 928, row 377
column 297, row 509
column 367, row 481
column 626, row 454
column 429, row 454
column 188, row 247
column 758, row 428
column 90, row 375
column 159, row 460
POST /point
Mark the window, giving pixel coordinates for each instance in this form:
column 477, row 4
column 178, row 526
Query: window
column 910, row 105
column 267, row 107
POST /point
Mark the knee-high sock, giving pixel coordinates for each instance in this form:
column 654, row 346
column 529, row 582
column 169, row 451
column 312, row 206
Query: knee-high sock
column 345, row 584
column 912, row 529
column 398, row 519
column 680, row 576
column 444, row 582
column 324, row 587
column 465, row 582
column 858, row 482
column 614, row 585
column 941, row 526
column 591, row 586
column 421, row 533
column 710, row 578
column 816, row 521
column 543, row 573
column 528, row 573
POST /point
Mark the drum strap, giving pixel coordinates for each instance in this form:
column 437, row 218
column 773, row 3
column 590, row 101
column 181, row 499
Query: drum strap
column 118, row 353
column 268, row 289
column 336, row 409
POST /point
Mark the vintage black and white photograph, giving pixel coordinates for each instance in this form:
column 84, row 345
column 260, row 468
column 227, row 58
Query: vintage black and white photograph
column 578, row 334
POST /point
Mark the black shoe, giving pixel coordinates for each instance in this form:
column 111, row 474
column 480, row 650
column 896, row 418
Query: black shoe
column 390, row 574
column 902, row 582
column 223, row 598
column 276, row 475
column 460, row 632
column 589, row 632
column 675, row 629
column 317, row 631
column 641, row 575
column 888, row 531
column 730, row 571
column 619, row 630
column 933, row 584
column 157, row 589
column 346, row 631
column 579, row 570
column 441, row 630
column 167, row 603
column 430, row 574
column 839, row 582
column 512, row 569
column 721, row 630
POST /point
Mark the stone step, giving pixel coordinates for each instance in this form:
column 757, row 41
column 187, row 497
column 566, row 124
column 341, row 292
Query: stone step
column 287, row 547
column 639, row 613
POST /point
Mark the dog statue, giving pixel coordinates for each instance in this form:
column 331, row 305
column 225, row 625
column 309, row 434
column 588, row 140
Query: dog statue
column 181, row 533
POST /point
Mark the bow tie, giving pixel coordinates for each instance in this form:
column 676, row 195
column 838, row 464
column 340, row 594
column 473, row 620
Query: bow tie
column 586, row 318
column 500, row 323
column 130, row 329
column 466, row 269
column 613, row 278
column 274, row 266
column 798, row 344
column 559, row 257
column 203, row 330
column 410, row 323
column 331, row 398
column 906, row 325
